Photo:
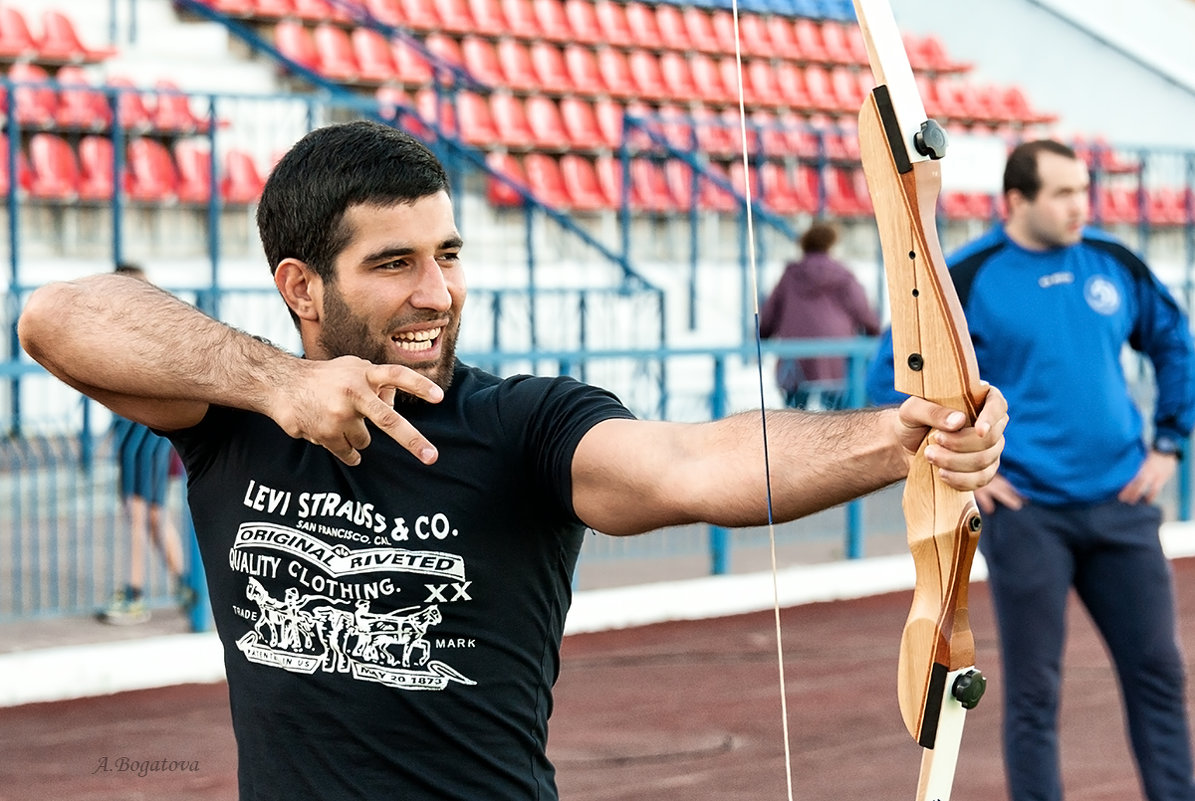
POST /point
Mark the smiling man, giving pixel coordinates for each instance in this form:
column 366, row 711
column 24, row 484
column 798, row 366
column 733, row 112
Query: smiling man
column 389, row 534
column 1051, row 304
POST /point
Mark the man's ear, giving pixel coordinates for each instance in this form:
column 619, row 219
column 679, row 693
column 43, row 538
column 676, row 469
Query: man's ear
column 301, row 288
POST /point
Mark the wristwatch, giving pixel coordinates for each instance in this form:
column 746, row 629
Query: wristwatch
column 1168, row 445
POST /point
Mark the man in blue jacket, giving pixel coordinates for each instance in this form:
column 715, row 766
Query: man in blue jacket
column 1050, row 304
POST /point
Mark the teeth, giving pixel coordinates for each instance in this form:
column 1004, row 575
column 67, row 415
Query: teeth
column 417, row 340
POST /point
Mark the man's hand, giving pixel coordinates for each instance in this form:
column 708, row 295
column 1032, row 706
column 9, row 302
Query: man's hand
column 967, row 456
column 1156, row 470
column 328, row 402
column 1000, row 491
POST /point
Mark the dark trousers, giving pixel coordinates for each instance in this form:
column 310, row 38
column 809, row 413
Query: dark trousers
column 1111, row 555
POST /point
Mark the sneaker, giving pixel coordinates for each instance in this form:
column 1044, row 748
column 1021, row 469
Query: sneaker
column 124, row 610
column 187, row 597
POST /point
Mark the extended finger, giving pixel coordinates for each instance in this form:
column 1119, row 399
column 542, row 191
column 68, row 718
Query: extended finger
column 395, row 376
column 400, row 430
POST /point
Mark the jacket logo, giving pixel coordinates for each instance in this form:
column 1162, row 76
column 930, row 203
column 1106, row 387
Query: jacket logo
column 1102, row 295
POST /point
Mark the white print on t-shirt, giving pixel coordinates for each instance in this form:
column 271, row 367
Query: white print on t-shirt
column 329, row 624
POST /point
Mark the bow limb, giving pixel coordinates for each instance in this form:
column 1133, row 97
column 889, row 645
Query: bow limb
column 934, row 359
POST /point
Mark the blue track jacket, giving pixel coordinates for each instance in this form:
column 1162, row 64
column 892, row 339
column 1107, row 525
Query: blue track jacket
column 1049, row 329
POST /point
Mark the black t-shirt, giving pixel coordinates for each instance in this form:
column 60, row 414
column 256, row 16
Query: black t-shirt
column 391, row 630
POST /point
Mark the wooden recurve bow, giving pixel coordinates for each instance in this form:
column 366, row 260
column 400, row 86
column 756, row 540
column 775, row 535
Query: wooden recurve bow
column 934, row 359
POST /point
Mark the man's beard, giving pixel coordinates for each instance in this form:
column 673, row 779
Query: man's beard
column 345, row 334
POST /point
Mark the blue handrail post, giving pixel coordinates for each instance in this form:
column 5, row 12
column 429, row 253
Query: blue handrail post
column 719, row 536
column 856, row 377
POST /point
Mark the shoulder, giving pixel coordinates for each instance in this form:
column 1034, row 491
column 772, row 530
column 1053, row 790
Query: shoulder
column 1104, row 244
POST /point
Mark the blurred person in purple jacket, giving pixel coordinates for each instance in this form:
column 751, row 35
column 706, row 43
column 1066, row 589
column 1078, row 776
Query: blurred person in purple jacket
column 816, row 297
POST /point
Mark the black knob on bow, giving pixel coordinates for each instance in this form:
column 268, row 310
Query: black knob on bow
column 931, row 140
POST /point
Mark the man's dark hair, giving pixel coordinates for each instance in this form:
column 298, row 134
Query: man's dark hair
column 128, row 268
column 1021, row 173
column 302, row 207
column 819, row 238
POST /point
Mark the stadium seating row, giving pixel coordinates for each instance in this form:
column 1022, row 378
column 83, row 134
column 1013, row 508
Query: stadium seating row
column 57, row 42
column 502, row 120
column 594, row 183
column 72, row 101
column 529, row 19
column 55, row 170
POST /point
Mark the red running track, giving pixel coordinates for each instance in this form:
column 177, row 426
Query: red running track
column 670, row 711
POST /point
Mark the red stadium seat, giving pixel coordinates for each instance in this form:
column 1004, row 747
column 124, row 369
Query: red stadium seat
column 700, row 29
column 616, row 74
column 1168, row 206
column 132, row 110
column 808, row 35
column 543, row 176
column 54, row 168
column 581, row 184
column 837, row 43
column 16, row 41
column 608, row 114
column 295, row 42
column 678, row 80
column 583, row 72
column 642, row 20
column 80, row 105
column 152, row 174
column 784, row 38
column 670, row 22
column 321, row 11
column 580, row 123
column 419, row 15
column 510, row 120
column 447, row 50
column 715, row 136
column 645, row 70
column 194, row 162
column 553, row 23
column 476, row 121
column 387, row 12
column 755, row 36
column 36, row 106
column 790, row 80
column 1118, row 205
column 713, row 196
column 683, row 184
column 765, row 90
column 488, row 19
column 410, row 66
column 455, row 16
column 375, row 57
column 395, row 106
column 723, row 22
column 610, row 179
column 335, row 50
column 521, row 19
column 612, row 20
column 547, row 61
column 819, row 89
column 515, row 61
column 498, row 192
column 782, row 194
column 846, row 193
column 847, row 89
column 172, row 110
column 707, row 77
column 60, row 41
column 96, row 168
column 582, row 19
column 437, row 110
column 273, row 9
column 650, row 187
column 483, row 62
column 242, row 183
column 547, row 128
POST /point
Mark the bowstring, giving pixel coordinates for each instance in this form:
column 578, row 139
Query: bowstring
column 763, row 415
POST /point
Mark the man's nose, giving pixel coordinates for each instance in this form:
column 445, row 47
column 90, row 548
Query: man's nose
column 431, row 292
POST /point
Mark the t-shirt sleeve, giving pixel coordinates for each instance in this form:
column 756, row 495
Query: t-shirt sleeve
column 548, row 417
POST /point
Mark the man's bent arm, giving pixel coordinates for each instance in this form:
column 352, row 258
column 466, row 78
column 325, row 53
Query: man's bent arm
column 154, row 359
